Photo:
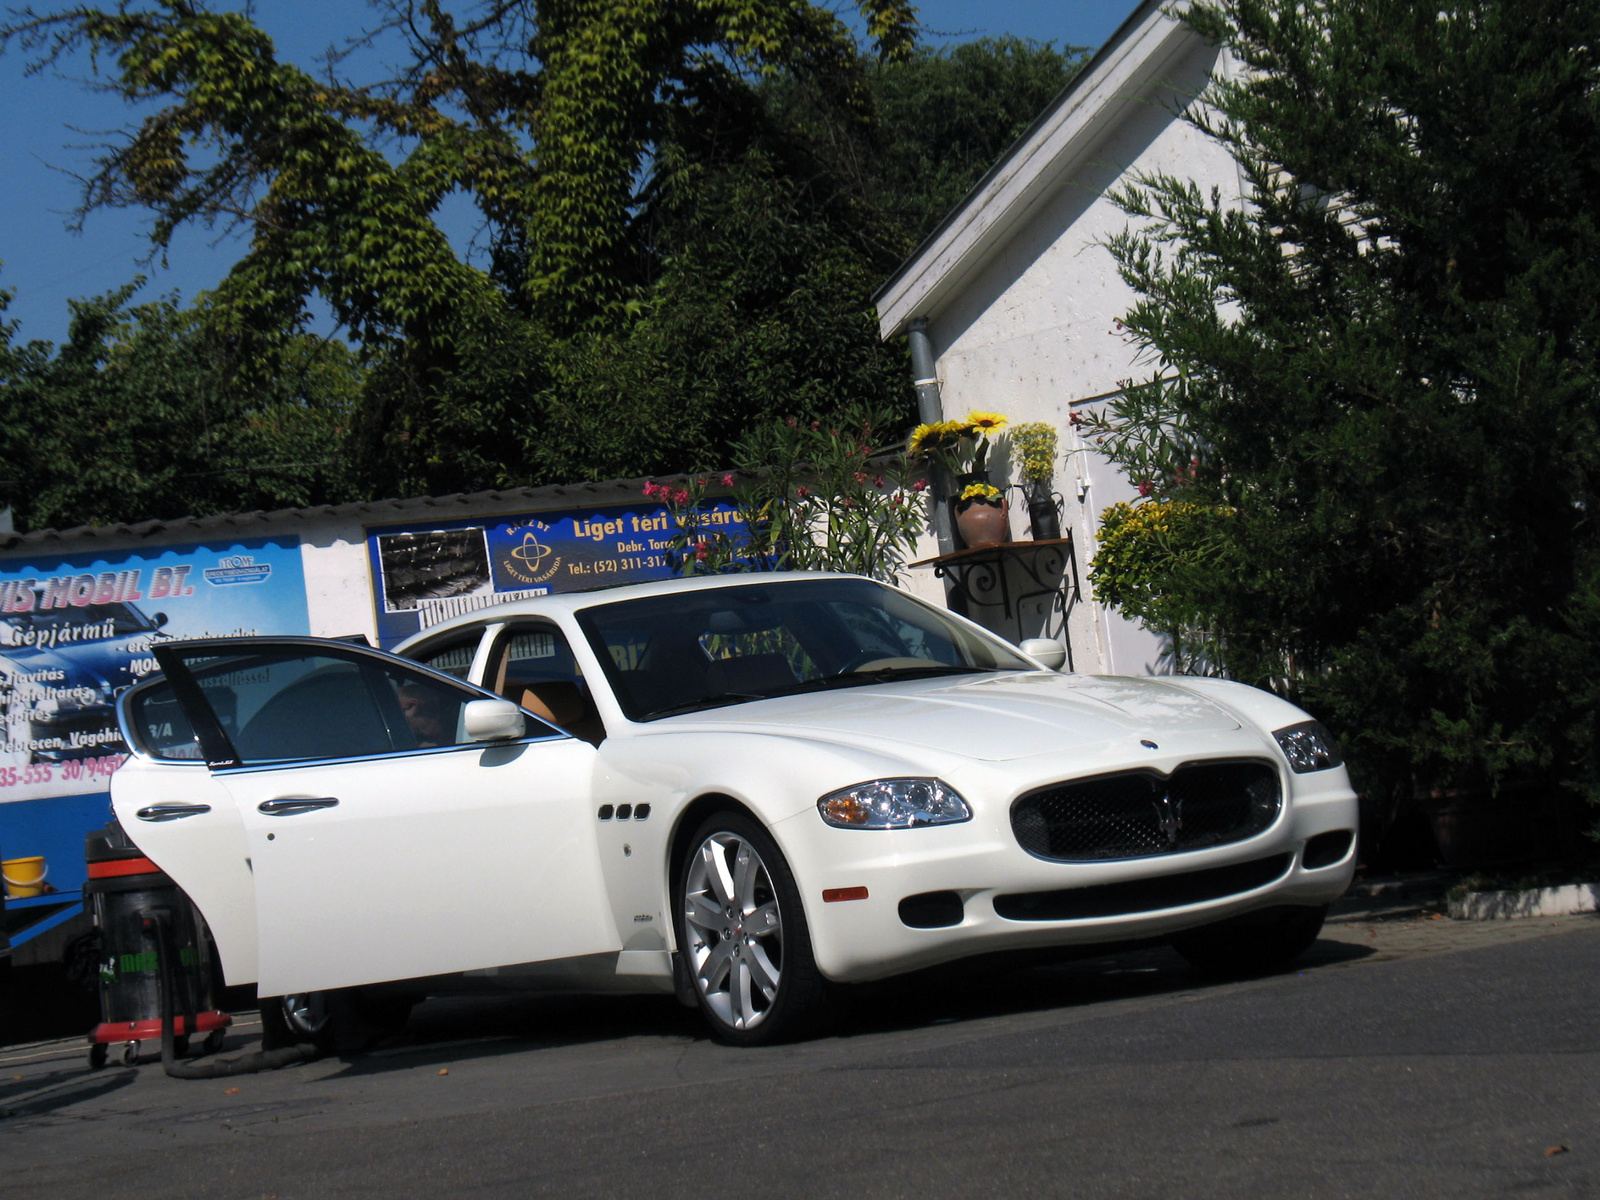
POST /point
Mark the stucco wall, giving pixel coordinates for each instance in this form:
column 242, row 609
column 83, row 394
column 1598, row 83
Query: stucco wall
column 1032, row 332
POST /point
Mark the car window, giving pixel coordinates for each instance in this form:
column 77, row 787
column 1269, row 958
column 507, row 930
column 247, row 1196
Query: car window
column 679, row 651
column 452, row 657
column 532, row 665
column 292, row 704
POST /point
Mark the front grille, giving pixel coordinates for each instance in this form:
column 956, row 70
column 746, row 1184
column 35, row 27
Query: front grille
column 1135, row 814
column 1142, row 895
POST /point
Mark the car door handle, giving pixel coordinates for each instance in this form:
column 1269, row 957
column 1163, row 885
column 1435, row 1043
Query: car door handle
column 288, row 806
column 171, row 812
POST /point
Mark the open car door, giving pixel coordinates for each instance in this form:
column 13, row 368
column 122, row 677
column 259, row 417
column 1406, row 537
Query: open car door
column 383, row 841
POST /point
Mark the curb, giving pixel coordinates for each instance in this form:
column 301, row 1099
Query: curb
column 1565, row 901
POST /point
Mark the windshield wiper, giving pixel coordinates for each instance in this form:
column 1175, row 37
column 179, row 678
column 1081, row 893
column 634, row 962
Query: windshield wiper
column 851, row 679
column 719, row 700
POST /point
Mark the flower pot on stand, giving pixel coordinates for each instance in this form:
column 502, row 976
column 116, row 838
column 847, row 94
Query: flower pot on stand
column 982, row 523
column 1044, row 515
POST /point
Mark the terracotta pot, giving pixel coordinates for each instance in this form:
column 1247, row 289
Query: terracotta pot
column 982, row 524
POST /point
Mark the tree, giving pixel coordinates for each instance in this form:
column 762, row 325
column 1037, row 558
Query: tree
column 144, row 413
column 1381, row 374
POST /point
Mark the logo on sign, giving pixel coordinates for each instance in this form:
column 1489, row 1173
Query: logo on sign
column 530, row 560
column 241, row 568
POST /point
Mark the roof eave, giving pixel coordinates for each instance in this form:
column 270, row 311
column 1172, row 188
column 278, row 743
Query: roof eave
column 1027, row 173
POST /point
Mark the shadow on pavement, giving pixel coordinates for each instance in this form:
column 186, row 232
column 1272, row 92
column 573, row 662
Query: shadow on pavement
column 452, row 1029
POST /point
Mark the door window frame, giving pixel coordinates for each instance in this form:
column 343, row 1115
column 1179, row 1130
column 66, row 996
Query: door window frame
column 217, row 749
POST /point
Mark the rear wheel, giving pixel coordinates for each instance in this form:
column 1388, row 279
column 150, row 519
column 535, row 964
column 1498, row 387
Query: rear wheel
column 1254, row 943
column 341, row 1021
column 742, row 934
column 300, row 1019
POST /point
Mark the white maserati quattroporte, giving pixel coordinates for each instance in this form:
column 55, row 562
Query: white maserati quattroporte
column 738, row 788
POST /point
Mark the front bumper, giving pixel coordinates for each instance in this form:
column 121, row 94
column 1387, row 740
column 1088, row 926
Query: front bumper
column 980, row 861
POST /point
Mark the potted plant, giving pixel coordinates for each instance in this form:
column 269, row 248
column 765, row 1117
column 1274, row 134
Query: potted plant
column 981, row 515
column 1033, row 450
column 962, row 448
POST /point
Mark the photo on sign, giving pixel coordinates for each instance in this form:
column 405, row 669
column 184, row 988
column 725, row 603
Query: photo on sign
column 432, row 566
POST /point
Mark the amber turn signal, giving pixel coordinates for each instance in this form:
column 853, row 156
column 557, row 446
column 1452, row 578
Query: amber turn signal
column 834, row 895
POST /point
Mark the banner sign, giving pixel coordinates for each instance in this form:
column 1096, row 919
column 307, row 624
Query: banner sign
column 423, row 574
column 76, row 632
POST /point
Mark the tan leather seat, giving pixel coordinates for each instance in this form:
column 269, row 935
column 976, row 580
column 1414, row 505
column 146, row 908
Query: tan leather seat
column 563, row 704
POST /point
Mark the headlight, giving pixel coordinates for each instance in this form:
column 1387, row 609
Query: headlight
column 894, row 804
column 1308, row 747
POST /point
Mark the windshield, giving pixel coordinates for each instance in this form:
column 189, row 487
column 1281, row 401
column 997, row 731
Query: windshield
column 693, row 650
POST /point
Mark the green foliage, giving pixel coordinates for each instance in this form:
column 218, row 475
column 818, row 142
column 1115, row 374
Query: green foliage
column 1154, row 558
column 1384, row 367
column 812, row 498
column 144, row 413
column 688, row 204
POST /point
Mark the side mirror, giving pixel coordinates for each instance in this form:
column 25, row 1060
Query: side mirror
column 1047, row 650
column 159, row 620
column 492, row 721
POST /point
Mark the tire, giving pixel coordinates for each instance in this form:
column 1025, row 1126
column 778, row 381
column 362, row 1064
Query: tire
column 303, row 1019
column 742, row 934
column 342, row 1021
column 1253, row 944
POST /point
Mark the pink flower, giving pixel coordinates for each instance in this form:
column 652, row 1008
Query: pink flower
column 860, row 478
column 1144, row 488
column 652, row 489
column 802, row 491
column 920, row 485
column 727, row 481
column 680, row 496
column 702, row 551
column 877, row 481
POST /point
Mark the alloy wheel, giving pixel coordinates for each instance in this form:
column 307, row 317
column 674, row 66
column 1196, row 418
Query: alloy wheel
column 735, row 930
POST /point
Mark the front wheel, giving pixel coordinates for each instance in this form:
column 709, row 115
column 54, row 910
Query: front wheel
column 1254, row 943
column 742, row 934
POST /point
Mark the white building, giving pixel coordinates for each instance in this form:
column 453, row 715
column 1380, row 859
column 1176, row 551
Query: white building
column 1018, row 293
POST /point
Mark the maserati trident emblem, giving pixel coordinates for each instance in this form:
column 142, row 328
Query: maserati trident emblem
column 1169, row 817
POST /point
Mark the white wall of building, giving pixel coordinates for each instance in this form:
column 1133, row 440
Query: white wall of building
column 1020, row 294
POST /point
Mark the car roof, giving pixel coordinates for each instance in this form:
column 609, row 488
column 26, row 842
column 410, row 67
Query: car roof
column 570, row 602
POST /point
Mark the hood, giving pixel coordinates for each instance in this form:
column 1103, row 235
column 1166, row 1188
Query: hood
column 991, row 718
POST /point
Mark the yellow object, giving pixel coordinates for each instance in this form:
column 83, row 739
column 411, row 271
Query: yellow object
column 24, row 877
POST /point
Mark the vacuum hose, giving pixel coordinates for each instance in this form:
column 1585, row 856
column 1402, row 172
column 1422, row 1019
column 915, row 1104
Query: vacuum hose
column 249, row 1064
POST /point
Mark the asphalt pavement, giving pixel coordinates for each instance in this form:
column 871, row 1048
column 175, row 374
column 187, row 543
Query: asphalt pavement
column 1406, row 1055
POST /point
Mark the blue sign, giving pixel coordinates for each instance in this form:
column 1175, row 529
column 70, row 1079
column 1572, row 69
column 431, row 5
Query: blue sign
column 75, row 633
column 424, row 574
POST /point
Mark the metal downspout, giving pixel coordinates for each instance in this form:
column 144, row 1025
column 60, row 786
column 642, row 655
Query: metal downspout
column 930, row 409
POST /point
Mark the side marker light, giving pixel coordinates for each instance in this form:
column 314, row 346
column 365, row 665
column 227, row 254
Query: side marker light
column 834, row 895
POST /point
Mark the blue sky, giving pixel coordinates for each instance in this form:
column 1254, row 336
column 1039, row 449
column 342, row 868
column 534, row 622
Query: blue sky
column 53, row 120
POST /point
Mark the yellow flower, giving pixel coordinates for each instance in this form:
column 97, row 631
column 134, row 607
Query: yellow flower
column 936, row 436
column 981, row 491
column 984, row 422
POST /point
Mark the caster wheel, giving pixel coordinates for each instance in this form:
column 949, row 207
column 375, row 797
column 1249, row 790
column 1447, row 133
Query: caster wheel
column 130, row 1054
column 213, row 1041
column 97, row 1056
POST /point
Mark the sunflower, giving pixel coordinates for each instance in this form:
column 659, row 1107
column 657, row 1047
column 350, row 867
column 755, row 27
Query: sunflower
column 939, row 435
column 982, row 422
